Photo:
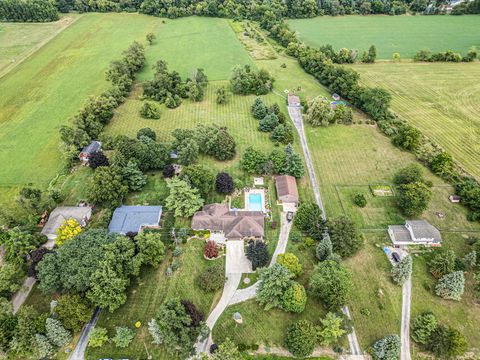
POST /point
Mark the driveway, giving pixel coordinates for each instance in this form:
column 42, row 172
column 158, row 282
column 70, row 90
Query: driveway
column 79, row 351
column 405, row 330
column 237, row 262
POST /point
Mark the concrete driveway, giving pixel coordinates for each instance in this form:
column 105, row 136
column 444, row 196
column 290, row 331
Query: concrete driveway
column 237, row 262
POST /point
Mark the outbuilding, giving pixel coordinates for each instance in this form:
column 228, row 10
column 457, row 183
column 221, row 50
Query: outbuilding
column 63, row 213
column 133, row 219
column 287, row 191
column 89, row 150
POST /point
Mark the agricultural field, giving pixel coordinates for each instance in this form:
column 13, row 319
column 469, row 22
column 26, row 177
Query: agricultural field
column 403, row 34
column 440, row 99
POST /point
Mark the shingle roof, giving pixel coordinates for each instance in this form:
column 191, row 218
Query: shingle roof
column 235, row 224
column 62, row 213
column 93, row 147
column 127, row 219
column 400, row 233
column 287, row 188
column 422, row 229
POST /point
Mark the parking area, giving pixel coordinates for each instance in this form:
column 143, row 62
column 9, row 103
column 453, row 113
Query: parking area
column 390, row 252
column 237, row 262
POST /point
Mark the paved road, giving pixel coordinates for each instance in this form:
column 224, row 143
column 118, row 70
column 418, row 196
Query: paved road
column 79, row 352
column 296, row 116
column 405, row 330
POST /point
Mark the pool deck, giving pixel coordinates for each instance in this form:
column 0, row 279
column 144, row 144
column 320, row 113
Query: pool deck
column 247, row 198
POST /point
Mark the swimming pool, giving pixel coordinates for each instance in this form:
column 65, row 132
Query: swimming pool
column 255, row 202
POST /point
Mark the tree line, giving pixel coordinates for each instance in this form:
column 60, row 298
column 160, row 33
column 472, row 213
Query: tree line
column 28, row 11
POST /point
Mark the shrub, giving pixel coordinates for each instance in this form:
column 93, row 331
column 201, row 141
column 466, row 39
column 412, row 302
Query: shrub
column 98, row 159
column 147, row 132
column 193, row 312
column 150, row 111
column 360, row 200
column 447, row 342
column 295, row 298
column 402, row 271
column 257, row 253
column 387, row 348
column 98, row 337
column 123, row 336
column 224, row 183
column 451, row 286
column 212, row 278
column 211, row 250
column 56, row 333
column 168, row 171
column 290, row 261
column 300, row 338
column 423, row 327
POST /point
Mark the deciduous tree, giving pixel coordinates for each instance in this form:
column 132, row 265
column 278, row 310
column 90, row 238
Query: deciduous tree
column 274, row 281
column 331, row 283
column 182, row 199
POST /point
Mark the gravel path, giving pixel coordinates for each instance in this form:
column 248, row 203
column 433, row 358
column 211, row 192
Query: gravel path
column 296, row 116
column 79, row 352
column 21, row 295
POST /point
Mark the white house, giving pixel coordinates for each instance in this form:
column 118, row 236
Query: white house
column 415, row 232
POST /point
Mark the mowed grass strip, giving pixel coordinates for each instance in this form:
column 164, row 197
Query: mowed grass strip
column 196, row 42
column 440, row 99
column 403, row 34
column 47, row 89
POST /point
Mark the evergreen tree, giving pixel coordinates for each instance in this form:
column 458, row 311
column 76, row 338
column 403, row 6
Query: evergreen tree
column 257, row 253
column 259, row 110
column 451, row 286
column 293, row 163
column 133, row 177
column 402, row 271
column 56, row 333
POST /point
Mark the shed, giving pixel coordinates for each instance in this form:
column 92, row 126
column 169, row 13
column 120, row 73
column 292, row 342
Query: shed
column 335, row 97
column 133, row 219
column 87, row 151
column 454, row 198
column 63, row 213
column 293, row 100
column 287, row 191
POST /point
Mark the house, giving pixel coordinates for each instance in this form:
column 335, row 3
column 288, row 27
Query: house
column 87, row 151
column 287, row 191
column 133, row 219
column 293, row 100
column 232, row 224
column 61, row 214
column 336, row 97
column 415, row 232
column 454, row 198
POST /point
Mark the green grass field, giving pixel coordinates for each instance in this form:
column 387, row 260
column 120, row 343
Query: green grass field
column 403, row 34
column 439, row 99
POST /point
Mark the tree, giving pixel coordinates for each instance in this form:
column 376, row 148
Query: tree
column 290, row 261
column 216, row 141
column 211, row 250
column 331, row 283
column 211, row 279
column 182, row 199
column 73, row 311
column 409, row 174
column 150, row 111
column 309, row 220
column 221, row 96
column 200, row 177
column 18, row 243
column 151, row 249
column 98, row 159
column 370, row 56
column 413, row 198
column 343, row 114
column 146, row 132
column 195, row 91
column 150, row 38
column 324, row 249
column 345, row 237
column 56, row 333
column 245, row 81
column 470, row 260
column 407, row 138
column 224, row 183
column 226, row 351
column 319, row 112
column 274, row 281
column 98, row 337
column 451, row 286
column 253, row 161
column 44, row 347
column 268, row 123
column 331, row 329
column 23, row 340
column 360, row 200
column 283, row 134
column 293, row 163
column 396, row 57
column 107, row 186
column 295, row 298
column 259, row 109
column 423, row 327
column 447, row 342
column 300, row 338
column 442, row 263
column 123, row 336
column 69, row 229
column 387, row 348
column 376, row 102
column 11, row 278
column 133, row 177
column 442, row 164
column 402, row 271
column 257, row 253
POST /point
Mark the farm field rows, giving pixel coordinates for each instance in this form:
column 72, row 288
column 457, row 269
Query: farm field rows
column 439, row 99
column 403, row 34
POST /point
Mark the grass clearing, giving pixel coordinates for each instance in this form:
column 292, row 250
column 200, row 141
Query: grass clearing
column 440, row 99
column 403, row 34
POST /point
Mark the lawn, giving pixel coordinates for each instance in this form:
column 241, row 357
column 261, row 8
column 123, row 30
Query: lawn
column 47, row 89
column 439, row 99
column 403, row 34
column 146, row 295
column 19, row 40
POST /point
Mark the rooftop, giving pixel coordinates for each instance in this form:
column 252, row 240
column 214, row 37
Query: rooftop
column 127, row 219
column 63, row 213
column 93, row 147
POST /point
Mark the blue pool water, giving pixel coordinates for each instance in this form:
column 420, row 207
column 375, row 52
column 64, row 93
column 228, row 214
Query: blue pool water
column 255, row 202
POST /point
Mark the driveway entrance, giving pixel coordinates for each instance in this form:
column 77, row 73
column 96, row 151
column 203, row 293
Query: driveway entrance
column 237, row 262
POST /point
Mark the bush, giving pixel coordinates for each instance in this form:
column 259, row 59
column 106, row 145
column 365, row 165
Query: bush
column 301, row 338
column 402, row 271
column 257, row 253
column 387, row 348
column 447, row 342
column 123, row 336
column 147, row 132
column 290, row 261
column 168, row 171
column 360, row 200
column 224, row 183
column 56, row 333
column 211, row 279
column 150, row 111
column 451, row 286
column 211, row 250
column 98, row 337
column 98, row 159
column 423, row 327
column 295, row 298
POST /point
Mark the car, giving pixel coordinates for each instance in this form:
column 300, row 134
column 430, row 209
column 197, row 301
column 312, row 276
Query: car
column 395, row 257
column 289, row 216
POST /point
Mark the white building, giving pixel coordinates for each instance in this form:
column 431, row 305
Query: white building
column 415, row 232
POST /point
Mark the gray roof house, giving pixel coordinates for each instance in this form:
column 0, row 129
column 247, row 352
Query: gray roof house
column 132, row 219
column 87, row 151
column 63, row 213
column 415, row 232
